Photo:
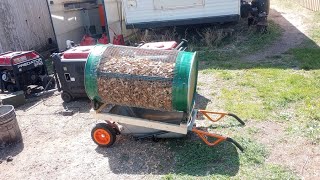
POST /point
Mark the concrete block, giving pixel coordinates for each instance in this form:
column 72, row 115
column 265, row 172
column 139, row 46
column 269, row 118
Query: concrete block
column 15, row 99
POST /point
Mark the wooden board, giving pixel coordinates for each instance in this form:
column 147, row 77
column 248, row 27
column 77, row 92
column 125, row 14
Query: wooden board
column 182, row 128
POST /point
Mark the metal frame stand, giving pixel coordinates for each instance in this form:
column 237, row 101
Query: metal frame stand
column 163, row 127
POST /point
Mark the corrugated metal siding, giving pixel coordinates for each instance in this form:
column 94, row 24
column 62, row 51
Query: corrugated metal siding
column 145, row 12
column 310, row 4
column 24, row 25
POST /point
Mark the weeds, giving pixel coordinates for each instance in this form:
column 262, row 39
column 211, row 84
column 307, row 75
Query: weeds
column 213, row 37
column 199, row 36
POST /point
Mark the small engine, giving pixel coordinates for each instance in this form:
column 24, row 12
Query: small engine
column 20, row 69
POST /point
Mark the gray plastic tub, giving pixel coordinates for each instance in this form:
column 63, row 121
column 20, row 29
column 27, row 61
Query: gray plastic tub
column 9, row 129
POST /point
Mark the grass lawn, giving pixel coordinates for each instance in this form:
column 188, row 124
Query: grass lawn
column 283, row 89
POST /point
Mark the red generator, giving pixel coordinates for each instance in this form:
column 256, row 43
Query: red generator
column 170, row 45
column 21, row 69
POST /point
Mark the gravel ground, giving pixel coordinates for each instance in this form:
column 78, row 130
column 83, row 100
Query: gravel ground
column 60, row 147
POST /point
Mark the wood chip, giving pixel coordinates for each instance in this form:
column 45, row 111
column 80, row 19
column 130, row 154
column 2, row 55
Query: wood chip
column 137, row 90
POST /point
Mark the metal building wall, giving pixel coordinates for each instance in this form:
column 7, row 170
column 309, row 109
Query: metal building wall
column 25, row 25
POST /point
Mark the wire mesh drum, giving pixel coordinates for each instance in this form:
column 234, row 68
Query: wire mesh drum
column 145, row 78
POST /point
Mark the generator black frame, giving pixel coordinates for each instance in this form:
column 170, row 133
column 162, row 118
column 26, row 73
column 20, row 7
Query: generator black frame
column 17, row 73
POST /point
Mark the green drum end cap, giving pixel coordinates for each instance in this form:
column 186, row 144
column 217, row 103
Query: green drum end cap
column 91, row 84
column 184, row 81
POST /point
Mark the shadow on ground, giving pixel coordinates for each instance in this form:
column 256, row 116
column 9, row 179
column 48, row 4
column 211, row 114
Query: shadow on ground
column 185, row 156
column 11, row 150
column 33, row 101
column 80, row 105
column 201, row 102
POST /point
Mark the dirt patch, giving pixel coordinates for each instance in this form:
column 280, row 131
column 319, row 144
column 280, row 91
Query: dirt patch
column 60, row 147
column 294, row 30
column 293, row 152
column 268, row 132
column 298, row 154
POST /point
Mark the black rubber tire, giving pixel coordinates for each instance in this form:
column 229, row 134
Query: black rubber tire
column 66, row 97
column 245, row 10
column 109, row 129
column 262, row 5
column 46, row 80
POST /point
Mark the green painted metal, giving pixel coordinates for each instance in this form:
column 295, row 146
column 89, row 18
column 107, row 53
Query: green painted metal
column 193, row 80
column 184, row 81
column 183, row 85
column 91, row 75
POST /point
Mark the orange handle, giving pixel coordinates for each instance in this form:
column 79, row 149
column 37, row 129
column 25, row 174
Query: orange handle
column 203, row 135
column 221, row 115
column 206, row 114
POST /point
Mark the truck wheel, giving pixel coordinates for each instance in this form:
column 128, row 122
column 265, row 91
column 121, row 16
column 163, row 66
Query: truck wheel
column 245, row 10
column 103, row 135
column 66, row 97
column 262, row 5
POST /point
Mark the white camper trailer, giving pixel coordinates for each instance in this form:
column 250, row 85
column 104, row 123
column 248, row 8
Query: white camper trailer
column 160, row 13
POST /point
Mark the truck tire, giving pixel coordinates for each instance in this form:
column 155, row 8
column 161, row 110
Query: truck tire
column 245, row 10
column 262, row 5
column 66, row 97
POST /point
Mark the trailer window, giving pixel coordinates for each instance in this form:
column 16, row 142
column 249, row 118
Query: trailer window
column 79, row 5
column 169, row 4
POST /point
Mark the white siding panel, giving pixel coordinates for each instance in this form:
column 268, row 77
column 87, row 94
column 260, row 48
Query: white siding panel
column 144, row 11
column 113, row 12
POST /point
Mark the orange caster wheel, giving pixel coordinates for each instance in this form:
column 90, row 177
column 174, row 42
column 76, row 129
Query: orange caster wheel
column 103, row 135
